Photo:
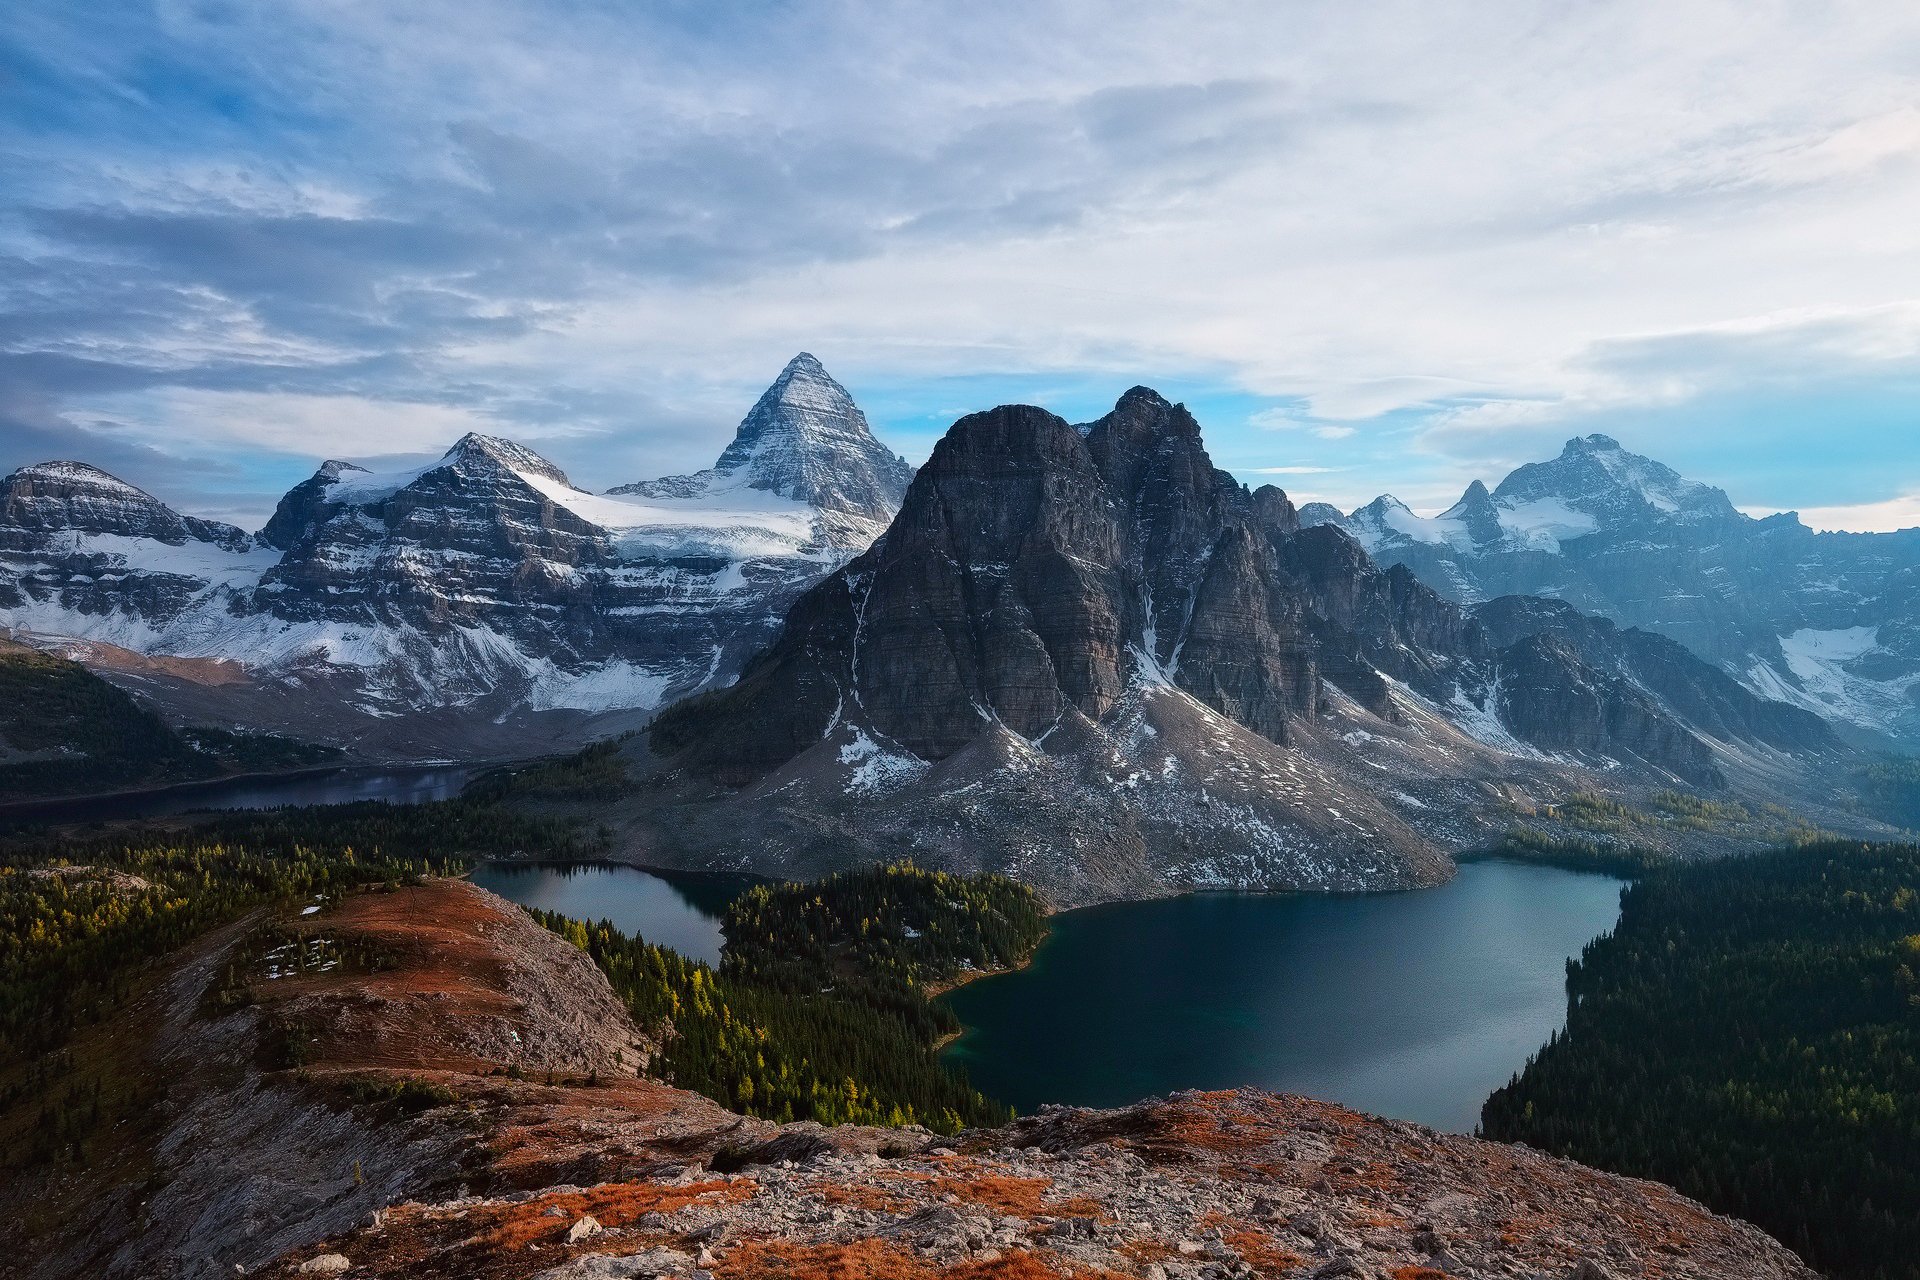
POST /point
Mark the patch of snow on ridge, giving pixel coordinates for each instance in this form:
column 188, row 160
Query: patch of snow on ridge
column 1810, row 653
column 615, row 686
column 875, row 768
column 732, row 521
column 1545, row 523
column 1822, row 684
column 1437, row 530
column 1483, row 724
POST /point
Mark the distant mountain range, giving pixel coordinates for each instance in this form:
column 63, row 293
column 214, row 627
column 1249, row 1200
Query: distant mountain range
column 1081, row 654
column 1826, row 621
column 444, row 609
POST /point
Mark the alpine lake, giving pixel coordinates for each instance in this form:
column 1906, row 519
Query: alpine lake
column 1414, row 1005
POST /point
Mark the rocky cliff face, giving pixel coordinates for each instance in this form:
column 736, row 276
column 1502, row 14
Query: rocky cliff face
column 484, row 587
column 1182, row 686
column 1827, row 621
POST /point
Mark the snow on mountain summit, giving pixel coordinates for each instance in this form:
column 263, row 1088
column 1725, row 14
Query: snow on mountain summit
column 807, row 441
column 484, row 579
column 1624, row 536
column 1596, row 476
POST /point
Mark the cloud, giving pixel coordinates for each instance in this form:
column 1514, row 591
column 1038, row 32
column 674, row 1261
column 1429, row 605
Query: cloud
column 1293, row 471
column 1291, row 419
column 605, row 227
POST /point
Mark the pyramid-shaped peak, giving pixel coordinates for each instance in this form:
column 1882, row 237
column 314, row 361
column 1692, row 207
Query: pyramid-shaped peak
column 807, row 440
column 805, row 382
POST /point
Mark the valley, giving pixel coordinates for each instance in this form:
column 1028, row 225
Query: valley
column 1027, row 641
column 778, row 759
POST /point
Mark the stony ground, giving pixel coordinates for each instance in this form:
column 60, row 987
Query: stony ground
column 1202, row 1186
column 552, row 1161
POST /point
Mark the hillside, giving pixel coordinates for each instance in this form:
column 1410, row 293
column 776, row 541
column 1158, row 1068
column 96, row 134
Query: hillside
column 1750, row 1032
column 64, row 730
column 463, row 1106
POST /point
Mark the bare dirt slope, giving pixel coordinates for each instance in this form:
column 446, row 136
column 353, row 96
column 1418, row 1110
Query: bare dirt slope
column 464, row 1106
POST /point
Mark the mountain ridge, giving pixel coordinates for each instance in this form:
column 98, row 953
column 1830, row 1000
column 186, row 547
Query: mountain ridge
column 1182, row 686
column 466, row 598
column 1827, row 621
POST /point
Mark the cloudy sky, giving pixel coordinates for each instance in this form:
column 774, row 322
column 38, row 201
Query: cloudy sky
column 1377, row 247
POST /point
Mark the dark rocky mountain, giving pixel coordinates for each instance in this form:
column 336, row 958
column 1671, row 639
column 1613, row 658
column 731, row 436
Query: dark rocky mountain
column 1827, row 621
column 1097, row 620
column 443, row 609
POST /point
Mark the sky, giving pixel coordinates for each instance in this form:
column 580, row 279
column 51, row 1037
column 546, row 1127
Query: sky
column 1380, row 247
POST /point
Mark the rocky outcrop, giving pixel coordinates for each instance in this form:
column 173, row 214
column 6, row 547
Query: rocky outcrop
column 1240, row 1183
column 1826, row 621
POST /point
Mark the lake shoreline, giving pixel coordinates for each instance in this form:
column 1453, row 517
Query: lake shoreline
column 1413, row 1005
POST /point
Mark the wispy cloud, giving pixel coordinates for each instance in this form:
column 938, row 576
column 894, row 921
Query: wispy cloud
column 1428, row 238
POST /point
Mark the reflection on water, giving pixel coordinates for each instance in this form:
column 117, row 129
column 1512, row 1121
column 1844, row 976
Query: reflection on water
column 679, row 911
column 1415, row 1005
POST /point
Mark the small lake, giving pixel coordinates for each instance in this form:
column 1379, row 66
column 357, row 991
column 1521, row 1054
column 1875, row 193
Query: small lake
column 346, row 785
column 677, row 911
column 1413, row 1005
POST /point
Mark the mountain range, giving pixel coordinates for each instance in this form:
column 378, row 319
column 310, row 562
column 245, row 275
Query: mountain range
column 1087, row 657
column 1083, row 655
column 1826, row 621
column 451, row 609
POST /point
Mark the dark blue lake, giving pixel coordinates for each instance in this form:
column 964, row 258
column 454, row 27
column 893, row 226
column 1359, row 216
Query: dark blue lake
column 1413, row 1005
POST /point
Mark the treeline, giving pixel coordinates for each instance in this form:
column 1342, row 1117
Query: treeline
column 597, row 771
column 1750, row 1033
column 820, row 1008
column 65, row 730
column 882, row 936
column 1576, row 853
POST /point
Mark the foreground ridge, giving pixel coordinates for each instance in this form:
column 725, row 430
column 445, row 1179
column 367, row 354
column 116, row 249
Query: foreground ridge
column 1220, row 1184
column 467, row 1108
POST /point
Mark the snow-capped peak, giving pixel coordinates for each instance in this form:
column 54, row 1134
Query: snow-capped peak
column 804, row 440
column 79, row 473
column 476, row 448
column 1595, row 476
